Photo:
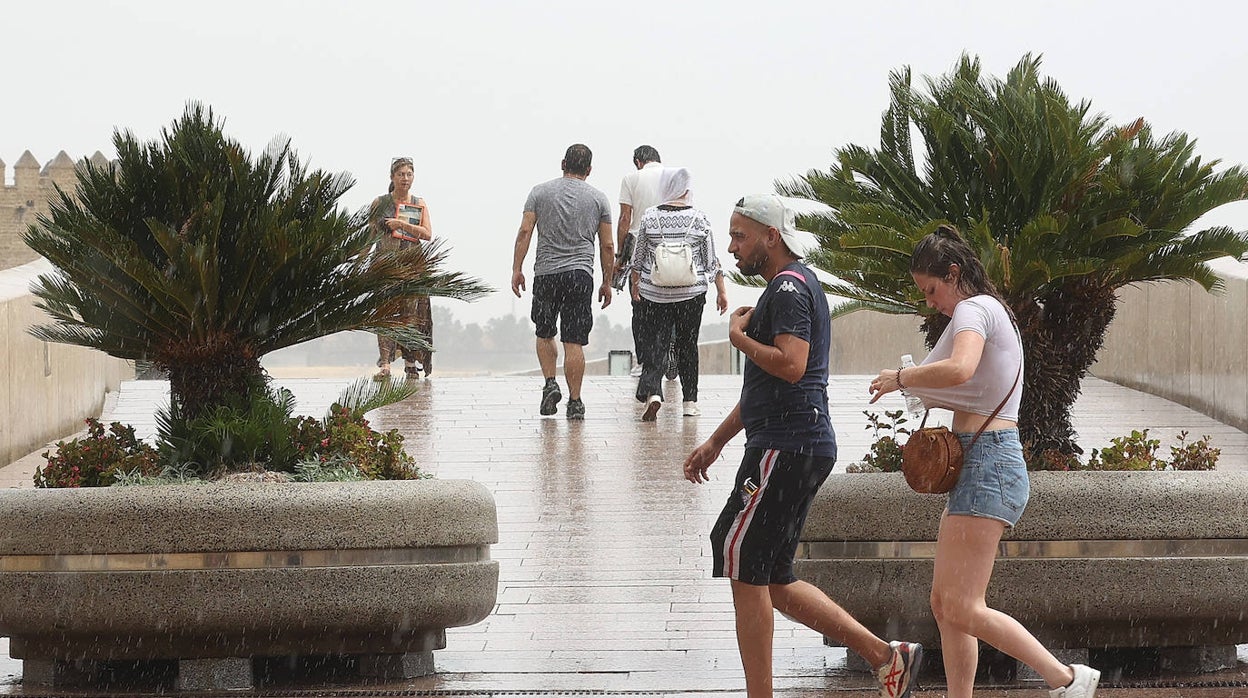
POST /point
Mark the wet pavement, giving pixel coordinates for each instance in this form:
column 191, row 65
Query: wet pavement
column 605, row 584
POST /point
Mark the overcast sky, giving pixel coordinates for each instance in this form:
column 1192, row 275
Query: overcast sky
column 487, row 95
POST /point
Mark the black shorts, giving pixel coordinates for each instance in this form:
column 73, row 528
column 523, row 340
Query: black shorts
column 756, row 536
column 567, row 297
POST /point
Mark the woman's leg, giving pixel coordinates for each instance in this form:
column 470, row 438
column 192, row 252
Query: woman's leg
column 385, row 355
column 688, row 320
column 655, row 333
column 966, row 549
column 424, row 323
column 412, row 318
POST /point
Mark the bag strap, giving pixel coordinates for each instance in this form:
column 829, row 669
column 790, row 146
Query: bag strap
column 1002, row 404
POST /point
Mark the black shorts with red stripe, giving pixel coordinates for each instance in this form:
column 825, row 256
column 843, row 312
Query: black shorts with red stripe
column 756, row 536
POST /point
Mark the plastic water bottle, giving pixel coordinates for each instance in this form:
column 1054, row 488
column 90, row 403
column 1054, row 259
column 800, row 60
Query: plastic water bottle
column 914, row 405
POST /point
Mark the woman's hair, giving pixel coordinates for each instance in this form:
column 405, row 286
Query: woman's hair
column 944, row 247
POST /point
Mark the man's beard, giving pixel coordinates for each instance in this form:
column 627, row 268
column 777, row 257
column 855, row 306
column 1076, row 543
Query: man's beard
column 752, row 266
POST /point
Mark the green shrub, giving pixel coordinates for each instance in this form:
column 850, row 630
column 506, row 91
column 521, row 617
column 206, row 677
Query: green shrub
column 244, row 436
column 346, row 433
column 885, row 453
column 97, row 459
column 1133, row 452
column 336, row 468
column 1198, row 455
column 1052, row 459
column 230, row 437
column 168, row 475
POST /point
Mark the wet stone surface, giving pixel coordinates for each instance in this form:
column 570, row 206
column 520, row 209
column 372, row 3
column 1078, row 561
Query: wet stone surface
column 605, row 565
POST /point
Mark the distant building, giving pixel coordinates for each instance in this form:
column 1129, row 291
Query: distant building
column 27, row 197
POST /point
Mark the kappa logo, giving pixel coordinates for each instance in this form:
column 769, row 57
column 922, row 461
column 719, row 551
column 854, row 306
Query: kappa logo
column 788, row 286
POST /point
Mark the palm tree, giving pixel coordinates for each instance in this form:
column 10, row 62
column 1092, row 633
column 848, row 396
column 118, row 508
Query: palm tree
column 1063, row 208
column 192, row 253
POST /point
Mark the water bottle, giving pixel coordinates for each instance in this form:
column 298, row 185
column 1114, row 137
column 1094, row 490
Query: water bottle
column 914, row 405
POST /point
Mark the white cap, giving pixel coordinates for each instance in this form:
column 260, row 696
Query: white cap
column 771, row 211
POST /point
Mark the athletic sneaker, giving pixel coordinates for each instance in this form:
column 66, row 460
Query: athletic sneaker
column 1082, row 686
column 652, row 408
column 673, row 370
column 576, row 410
column 900, row 673
column 550, row 397
column 691, row 409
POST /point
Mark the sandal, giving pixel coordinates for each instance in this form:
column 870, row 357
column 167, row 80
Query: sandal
column 383, row 374
column 413, row 372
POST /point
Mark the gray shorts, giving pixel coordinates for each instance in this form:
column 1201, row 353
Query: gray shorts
column 994, row 482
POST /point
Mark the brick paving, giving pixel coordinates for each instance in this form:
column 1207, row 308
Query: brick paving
column 604, row 564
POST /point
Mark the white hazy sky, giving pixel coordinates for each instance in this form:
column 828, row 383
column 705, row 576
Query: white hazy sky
column 487, row 95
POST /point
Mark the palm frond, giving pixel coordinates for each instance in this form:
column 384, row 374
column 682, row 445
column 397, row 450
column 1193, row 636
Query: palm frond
column 366, row 394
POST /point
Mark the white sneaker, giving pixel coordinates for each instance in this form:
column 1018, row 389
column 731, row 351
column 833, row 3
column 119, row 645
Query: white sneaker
column 691, row 409
column 635, row 371
column 1082, row 686
column 900, row 675
column 652, row 408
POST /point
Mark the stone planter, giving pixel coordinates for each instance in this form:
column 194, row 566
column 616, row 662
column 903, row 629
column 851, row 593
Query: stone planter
column 1100, row 559
column 216, row 575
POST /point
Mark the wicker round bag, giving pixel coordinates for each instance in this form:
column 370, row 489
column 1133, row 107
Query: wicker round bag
column 932, row 460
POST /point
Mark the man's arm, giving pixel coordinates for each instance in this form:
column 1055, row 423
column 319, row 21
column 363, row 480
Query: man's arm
column 785, row 360
column 626, row 222
column 606, row 254
column 523, row 238
column 700, row 460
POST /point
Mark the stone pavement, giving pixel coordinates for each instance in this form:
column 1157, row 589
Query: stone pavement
column 605, row 583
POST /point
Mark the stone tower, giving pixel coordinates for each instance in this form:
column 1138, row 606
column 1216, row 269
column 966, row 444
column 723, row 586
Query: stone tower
column 27, row 197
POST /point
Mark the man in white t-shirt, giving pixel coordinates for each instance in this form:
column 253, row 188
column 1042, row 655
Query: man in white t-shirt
column 638, row 191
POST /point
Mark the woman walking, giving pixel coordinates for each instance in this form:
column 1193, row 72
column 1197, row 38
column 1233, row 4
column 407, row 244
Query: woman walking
column 668, row 306
column 400, row 220
column 975, row 365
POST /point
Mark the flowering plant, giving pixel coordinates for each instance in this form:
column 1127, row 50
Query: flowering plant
column 98, row 458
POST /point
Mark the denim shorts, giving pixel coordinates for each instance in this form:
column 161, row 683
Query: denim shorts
column 994, row 482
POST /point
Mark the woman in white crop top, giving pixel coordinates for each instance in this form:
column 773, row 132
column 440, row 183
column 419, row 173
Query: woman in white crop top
column 973, row 367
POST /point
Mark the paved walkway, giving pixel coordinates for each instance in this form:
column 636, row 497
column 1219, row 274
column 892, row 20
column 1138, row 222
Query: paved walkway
column 604, row 564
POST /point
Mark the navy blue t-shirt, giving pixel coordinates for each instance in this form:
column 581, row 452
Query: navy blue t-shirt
column 777, row 414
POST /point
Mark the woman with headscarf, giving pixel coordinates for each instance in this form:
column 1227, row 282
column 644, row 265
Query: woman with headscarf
column 400, row 220
column 678, row 308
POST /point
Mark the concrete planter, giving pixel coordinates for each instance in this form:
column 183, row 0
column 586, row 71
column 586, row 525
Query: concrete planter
column 215, row 575
column 1099, row 560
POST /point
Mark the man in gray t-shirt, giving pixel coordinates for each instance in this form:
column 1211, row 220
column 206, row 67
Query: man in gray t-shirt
column 567, row 214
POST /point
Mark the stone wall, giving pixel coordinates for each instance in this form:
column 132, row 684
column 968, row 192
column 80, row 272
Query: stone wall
column 1185, row 344
column 27, row 197
column 46, row 389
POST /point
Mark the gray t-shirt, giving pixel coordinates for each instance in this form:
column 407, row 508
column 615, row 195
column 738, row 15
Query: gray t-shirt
column 568, row 214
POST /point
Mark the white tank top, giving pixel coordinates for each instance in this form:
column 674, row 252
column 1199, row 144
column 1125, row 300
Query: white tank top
column 998, row 367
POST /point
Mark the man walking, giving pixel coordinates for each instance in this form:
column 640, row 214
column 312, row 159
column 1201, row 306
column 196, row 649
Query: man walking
column 790, row 449
column 568, row 214
column 639, row 190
